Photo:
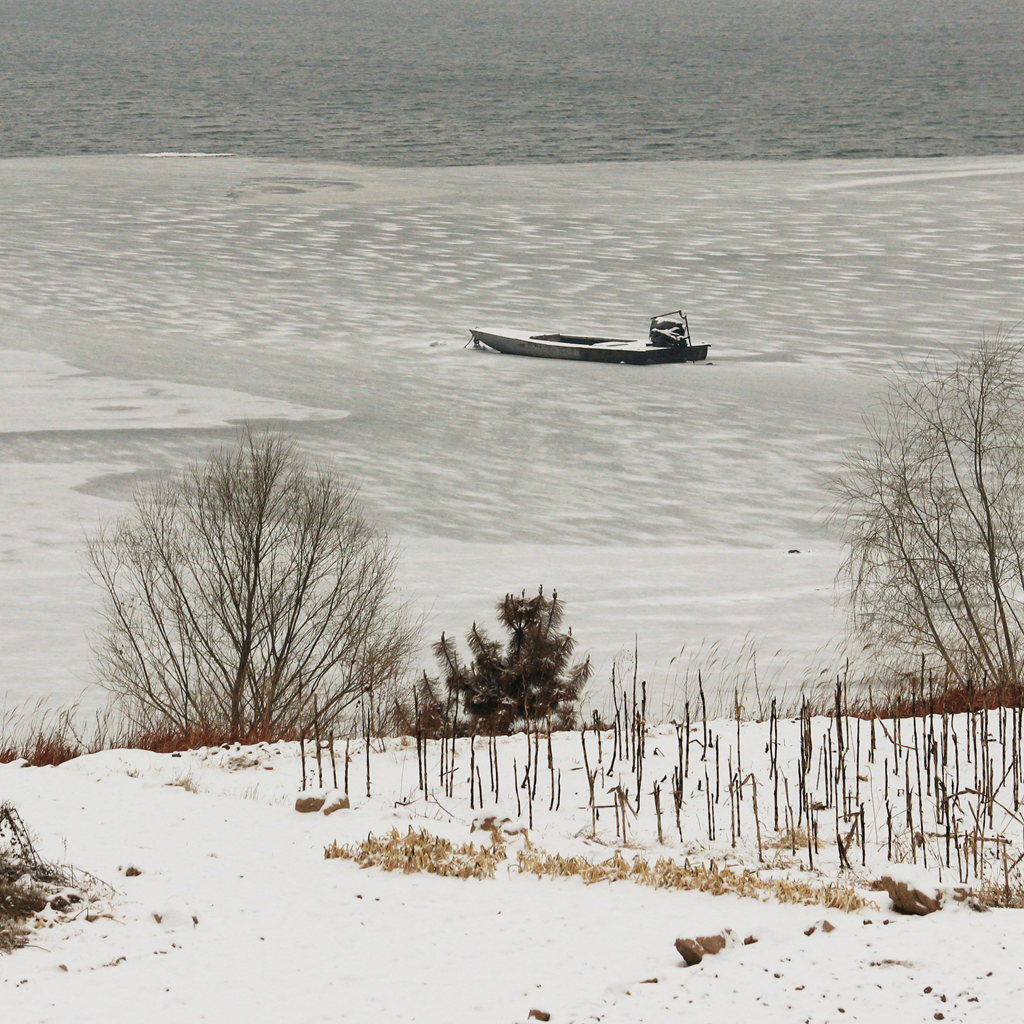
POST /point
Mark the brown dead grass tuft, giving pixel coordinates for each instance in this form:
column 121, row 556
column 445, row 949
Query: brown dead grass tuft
column 185, row 782
column 666, row 873
column 1003, row 895
column 419, row 850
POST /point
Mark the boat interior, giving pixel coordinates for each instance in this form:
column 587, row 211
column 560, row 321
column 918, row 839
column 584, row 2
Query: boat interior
column 668, row 330
column 580, row 339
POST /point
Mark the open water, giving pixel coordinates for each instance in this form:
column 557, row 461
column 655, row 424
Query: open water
column 441, row 82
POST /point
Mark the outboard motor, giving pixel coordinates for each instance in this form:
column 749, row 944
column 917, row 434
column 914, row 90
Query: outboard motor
column 670, row 331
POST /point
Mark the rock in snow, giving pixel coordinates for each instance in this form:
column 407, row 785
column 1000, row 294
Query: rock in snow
column 693, row 951
column 335, row 800
column 908, row 899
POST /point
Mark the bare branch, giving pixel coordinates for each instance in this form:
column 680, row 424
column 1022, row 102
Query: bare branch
column 932, row 508
column 242, row 587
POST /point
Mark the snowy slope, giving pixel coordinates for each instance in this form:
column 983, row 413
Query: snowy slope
column 237, row 916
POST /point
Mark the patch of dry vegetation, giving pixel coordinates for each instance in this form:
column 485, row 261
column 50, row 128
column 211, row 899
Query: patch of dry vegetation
column 666, row 873
column 43, row 735
column 21, row 872
column 1005, row 895
column 419, row 850
column 17, row 904
column 40, row 735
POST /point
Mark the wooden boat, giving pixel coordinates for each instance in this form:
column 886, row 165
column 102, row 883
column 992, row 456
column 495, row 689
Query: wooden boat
column 668, row 342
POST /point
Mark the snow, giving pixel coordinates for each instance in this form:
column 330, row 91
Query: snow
column 236, row 915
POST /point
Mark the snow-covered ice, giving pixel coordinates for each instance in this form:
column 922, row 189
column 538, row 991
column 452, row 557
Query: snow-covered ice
column 148, row 305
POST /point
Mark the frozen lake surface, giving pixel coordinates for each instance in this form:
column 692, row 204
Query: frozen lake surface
column 149, row 304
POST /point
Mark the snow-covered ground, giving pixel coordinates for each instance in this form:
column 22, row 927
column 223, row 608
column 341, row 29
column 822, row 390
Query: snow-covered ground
column 232, row 913
column 147, row 305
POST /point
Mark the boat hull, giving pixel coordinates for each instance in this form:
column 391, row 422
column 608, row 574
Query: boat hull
column 590, row 350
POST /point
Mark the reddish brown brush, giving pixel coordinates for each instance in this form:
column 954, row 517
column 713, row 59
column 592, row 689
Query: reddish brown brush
column 909, row 699
column 953, row 701
column 48, row 736
column 167, row 739
column 42, row 736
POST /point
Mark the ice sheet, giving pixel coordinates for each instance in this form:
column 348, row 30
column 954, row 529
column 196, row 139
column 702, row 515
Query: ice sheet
column 662, row 502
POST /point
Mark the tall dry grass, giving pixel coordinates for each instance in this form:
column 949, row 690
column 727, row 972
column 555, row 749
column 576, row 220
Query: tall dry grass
column 42, row 734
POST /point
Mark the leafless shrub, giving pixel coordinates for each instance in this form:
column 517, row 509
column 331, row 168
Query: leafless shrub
column 932, row 507
column 248, row 596
column 21, row 871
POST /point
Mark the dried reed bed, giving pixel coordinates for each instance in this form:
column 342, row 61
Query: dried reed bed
column 40, row 734
column 419, row 850
column 823, row 788
column 837, row 783
column 666, row 873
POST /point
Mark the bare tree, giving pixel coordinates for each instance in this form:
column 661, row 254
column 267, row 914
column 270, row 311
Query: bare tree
column 933, row 512
column 246, row 595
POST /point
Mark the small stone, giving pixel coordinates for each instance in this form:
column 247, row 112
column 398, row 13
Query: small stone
column 488, row 823
column 712, row 943
column 307, row 804
column 496, row 825
column 827, row 926
column 690, row 951
column 539, row 1015
column 132, row 871
column 750, row 940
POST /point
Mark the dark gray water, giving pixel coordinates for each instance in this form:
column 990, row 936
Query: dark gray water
column 439, row 82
